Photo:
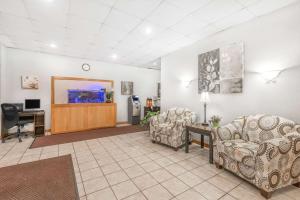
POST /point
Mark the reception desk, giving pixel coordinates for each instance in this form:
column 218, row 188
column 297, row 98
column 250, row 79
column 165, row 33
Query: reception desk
column 83, row 116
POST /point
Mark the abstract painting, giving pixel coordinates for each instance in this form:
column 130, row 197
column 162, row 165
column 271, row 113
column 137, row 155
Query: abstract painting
column 30, row 82
column 222, row 70
column 209, row 71
column 126, row 88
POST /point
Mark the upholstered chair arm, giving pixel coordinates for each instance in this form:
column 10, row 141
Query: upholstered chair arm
column 182, row 122
column 227, row 132
column 297, row 128
column 158, row 119
column 189, row 119
column 277, row 161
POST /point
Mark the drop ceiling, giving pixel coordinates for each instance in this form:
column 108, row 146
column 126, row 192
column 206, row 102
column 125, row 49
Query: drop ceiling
column 131, row 32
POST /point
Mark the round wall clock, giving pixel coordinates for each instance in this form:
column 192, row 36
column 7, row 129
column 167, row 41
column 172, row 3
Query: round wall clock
column 86, row 67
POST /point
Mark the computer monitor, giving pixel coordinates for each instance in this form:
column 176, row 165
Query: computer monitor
column 32, row 103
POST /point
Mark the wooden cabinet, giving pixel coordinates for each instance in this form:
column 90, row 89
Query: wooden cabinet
column 79, row 117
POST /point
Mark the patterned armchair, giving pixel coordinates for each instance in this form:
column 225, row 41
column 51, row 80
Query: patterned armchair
column 262, row 149
column 169, row 127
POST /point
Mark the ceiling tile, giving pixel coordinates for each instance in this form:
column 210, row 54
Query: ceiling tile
column 50, row 37
column 89, row 9
column 14, row 7
column 235, row 19
column 121, row 20
column 42, row 28
column 167, row 14
column 14, row 25
column 139, row 8
column 81, row 25
column 22, row 36
column 182, row 42
column 189, row 24
column 29, row 45
column 74, row 35
column 139, row 36
column 167, row 37
column 108, row 36
column 204, row 32
column 51, row 12
column 189, row 5
column 108, row 2
column 127, row 45
column 248, row 2
column 266, row 6
column 217, row 10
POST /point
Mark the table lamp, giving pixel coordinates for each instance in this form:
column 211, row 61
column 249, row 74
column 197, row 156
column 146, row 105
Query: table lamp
column 205, row 99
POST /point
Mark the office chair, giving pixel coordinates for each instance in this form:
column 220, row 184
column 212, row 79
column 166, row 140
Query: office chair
column 11, row 119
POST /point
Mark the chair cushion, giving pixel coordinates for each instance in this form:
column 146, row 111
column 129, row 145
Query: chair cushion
column 239, row 150
column 259, row 128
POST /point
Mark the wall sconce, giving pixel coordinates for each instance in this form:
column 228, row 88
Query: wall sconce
column 186, row 84
column 270, row 76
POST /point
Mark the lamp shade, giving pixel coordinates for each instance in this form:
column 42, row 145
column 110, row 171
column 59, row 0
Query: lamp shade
column 204, row 97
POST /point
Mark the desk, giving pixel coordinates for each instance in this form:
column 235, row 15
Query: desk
column 202, row 131
column 37, row 118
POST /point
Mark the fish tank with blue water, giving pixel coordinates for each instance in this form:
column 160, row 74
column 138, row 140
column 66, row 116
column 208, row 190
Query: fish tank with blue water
column 86, row 96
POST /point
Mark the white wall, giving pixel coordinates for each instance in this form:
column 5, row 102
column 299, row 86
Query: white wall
column 44, row 66
column 2, row 68
column 271, row 42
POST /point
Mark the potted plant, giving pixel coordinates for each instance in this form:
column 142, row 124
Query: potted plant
column 145, row 121
column 109, row 96
column 215, row 121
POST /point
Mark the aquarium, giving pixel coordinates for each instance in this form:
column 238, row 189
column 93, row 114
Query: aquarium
column 86, row 96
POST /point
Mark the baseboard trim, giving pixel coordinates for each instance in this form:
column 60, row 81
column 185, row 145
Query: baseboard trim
column 123, row 122
column 199, row 143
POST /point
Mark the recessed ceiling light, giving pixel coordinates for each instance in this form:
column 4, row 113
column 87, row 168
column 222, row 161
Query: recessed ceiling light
column 52, row 45
column 114, row 56
column 148, row 30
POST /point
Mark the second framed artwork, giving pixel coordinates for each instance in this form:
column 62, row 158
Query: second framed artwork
column 126, row 88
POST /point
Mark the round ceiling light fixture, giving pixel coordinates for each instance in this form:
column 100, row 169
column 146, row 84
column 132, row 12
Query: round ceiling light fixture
column 148, row 30
column 114, row 56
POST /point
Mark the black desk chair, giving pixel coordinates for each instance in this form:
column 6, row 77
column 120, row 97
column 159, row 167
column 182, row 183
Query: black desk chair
column 11, row 119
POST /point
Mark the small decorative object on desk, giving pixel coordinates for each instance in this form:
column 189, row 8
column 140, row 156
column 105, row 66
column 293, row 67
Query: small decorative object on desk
column 215, row 121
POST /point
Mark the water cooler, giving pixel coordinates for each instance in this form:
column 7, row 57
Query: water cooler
column 134, row 110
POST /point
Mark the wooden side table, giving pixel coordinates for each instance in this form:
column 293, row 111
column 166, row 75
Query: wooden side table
column 202, row 131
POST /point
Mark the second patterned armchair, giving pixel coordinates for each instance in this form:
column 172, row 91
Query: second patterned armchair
column 169, row 127
column 262, row 149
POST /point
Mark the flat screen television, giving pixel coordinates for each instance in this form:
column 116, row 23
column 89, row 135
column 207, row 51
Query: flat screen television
column 32, row 103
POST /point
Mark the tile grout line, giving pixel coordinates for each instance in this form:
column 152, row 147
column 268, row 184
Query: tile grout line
column 101, row 171
column 128, row 177
column 78, row 170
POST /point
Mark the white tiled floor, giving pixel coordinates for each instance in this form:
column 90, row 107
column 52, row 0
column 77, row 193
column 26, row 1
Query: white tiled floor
column 130, row 167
